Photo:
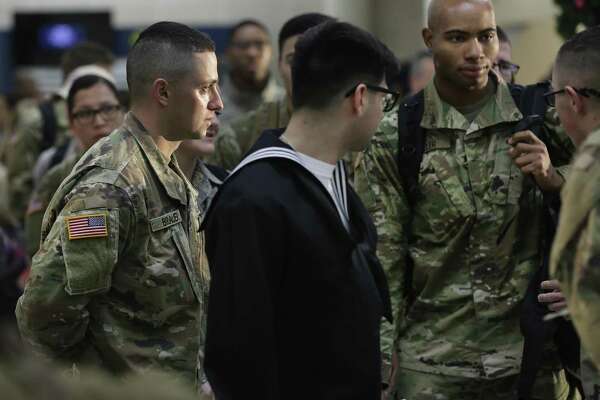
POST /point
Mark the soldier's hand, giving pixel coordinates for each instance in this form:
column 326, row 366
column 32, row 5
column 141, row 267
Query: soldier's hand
column 531, row 156
column 553, row 297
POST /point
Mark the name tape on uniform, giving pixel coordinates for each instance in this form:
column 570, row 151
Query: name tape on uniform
column 87, row 226
column 165, row 221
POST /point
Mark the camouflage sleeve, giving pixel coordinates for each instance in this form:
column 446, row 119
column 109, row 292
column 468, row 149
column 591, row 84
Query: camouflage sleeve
column 227, row 152
column 74, row 264
column 20, row 160
column 584, row 301
column 38, row 202
column 560, row 146
column 378, row 183
column 246, row 127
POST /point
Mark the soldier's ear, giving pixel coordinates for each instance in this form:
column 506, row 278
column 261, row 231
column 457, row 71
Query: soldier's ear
column 427, row 35
column 160, row 91
column 576, row 102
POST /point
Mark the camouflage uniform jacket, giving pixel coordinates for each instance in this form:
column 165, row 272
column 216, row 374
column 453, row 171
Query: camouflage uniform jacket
column 207, row 184
column 236, row 139
column 133, row 297
column 40, row 198
column 238, row 102
column 474, row 237
column 575, row 259
column 25, row 147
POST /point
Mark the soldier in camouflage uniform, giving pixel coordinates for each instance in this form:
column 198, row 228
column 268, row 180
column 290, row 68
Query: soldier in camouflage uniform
column 474, row 233
column 239, row 136
column 576, row 250
column 121, row 279
column 34, row 133
column 94, row 112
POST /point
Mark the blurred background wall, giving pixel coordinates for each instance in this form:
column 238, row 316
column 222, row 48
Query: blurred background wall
column 398, row 23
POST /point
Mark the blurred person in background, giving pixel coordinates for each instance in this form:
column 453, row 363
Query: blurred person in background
column 249, row 81
column 503, row 64
column 39, row 126
column 421, row 71
column 242, row 132
column 94, row 112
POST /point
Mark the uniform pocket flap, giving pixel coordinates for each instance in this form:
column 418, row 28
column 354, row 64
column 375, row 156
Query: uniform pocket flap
column 90, row 249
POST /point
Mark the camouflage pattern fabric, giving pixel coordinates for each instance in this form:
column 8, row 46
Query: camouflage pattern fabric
column 26, row 145
column 425, row 386
column 40, row 198
column 207, row 185
column 239, row 102
column 131, row 297
column 474, row 239
column 575, row 259
column 235, row 139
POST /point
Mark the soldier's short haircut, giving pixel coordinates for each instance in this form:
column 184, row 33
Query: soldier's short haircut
column 578, row 60
column 332, row 57
column 86, row 82
column 163, row 50
column 85, row 53
column 300, row 24
column 245, row 22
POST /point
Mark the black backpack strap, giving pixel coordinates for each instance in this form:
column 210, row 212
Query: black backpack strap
column 411, row 144
column 49, row 124
column 59, row 154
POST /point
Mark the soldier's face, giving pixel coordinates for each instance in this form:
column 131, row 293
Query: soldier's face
column 565, row 107
column 285, row 63
column 464, row 44
column 95, row 114
column 195, row 100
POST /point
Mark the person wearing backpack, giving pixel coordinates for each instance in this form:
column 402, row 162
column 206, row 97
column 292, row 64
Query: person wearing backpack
column 456, row 183
column 40, row 126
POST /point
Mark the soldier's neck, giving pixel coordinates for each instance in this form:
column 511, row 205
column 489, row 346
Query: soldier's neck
column 459, row 96
column 187, row 162
column 156, row 131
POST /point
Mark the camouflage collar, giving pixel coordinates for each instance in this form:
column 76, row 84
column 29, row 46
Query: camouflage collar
column 438, row 114
column 167, row 172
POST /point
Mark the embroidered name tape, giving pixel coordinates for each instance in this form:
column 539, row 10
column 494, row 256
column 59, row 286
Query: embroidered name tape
column 165, row 221
column 87, row 226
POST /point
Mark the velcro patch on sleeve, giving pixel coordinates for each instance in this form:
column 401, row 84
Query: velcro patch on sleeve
column 87, row 226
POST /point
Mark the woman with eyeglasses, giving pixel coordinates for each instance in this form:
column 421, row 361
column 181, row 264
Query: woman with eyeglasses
column 94, row 111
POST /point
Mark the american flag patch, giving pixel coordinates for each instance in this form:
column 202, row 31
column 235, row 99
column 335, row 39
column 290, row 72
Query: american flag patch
column 87, row 226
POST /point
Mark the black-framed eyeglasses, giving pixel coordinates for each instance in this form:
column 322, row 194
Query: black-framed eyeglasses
column 507, row 67
column 550, row 97
column 389, row 100
column 108, row 112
